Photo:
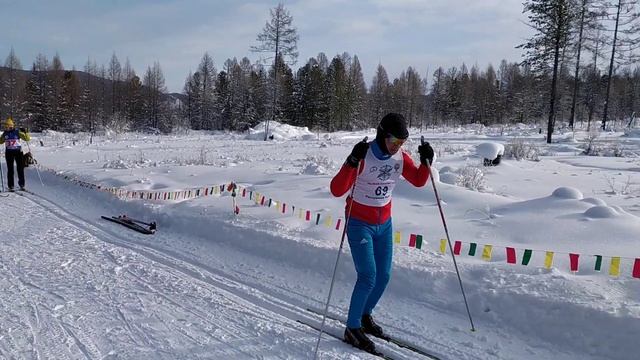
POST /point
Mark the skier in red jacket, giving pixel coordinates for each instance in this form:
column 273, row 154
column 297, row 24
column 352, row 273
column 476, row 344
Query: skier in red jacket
column 369, row 228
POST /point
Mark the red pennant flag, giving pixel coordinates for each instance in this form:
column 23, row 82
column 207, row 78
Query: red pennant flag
column 338, row 224
column 206, row 191
column 308, row 217
column 636, row 268
column 412, row 240
column 237, row 210
column 511, row 255
column 244, row 192
column 574, row 262
column 284, row 207
column 457, row 247
column 262, row 201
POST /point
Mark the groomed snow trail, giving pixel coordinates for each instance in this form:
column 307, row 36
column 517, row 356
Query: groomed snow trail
column 73, row 289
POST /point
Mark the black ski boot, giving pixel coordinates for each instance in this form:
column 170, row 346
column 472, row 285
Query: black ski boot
column 370, row 327
column 357, row 338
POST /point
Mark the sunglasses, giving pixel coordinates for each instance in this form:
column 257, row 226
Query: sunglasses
column 395, row 141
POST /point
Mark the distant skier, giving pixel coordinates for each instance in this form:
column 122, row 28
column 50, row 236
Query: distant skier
column 13, row 151
column 369, row 227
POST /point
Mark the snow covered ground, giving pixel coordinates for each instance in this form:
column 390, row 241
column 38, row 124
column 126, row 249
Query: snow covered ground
column 213, row 285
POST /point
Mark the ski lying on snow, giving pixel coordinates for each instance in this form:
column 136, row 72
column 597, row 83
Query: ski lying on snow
column 130, row 224
column 398, row 342
column 316, row 328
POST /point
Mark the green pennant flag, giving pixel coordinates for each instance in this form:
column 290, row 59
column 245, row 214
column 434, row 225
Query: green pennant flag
column 418, row 241
column 598, row 262
column 526, row 257
column 472, row 249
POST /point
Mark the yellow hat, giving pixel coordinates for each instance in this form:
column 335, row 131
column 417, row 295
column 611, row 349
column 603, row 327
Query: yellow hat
column 9, row 123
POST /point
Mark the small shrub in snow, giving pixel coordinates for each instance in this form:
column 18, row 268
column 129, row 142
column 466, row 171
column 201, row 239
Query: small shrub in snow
column 202, row 160
column 471, row 177
column 115, row 164
column 317, row 165
column 442, row 148
column 615, row 149
column 615, row 188
column 522, row 150
column 590, row 147
column 122, row 163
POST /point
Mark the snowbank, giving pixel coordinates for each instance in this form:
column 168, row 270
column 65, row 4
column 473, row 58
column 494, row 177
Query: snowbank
column 490, row 150
column 280, row 132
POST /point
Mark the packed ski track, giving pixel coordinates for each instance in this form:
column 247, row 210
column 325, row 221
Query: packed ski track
column 213, row 285
column 137, row 292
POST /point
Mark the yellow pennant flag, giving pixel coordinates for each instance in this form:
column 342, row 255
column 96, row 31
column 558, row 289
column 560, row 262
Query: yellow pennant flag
column 216, row 189
column 397, row 237
column 443, row 246
column 300, row 213
column 614, row 269
column 548, row 260
column 327, row 221
column 486, row 252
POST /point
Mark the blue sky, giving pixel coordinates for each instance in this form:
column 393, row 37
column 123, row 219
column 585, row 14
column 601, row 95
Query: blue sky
column 423, row 34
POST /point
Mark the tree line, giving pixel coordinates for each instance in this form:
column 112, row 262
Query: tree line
column 572, row 72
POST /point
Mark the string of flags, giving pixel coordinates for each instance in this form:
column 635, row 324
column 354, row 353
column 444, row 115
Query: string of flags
column 486, row 252
column 526, row 255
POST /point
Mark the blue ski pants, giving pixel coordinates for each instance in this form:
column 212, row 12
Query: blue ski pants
column 372, row 253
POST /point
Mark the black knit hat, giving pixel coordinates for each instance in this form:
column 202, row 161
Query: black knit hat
column 393, row 124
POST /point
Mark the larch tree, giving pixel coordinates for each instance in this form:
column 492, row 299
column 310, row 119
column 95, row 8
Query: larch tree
column 626, row 40
column 12, row 84
column 115, row 75
column 552, row 20
column 280, row 38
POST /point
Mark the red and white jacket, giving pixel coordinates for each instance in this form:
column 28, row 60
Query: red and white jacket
column 374, row 187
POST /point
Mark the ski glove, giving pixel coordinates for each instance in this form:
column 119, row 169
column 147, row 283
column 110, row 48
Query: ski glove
column 426, row 153
column 358, row 153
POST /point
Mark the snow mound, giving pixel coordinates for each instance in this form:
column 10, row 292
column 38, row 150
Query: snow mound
column 447, row 169
column 633, row 133
column 490, row 150
column 449, row 178
column 595, row 201
column 619, row 209
column 280, row 132
column 566, row 192
column 601, row 212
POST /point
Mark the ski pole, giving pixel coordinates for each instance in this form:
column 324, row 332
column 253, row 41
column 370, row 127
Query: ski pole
column 2, row 175
column 36, row 166
column 335, row 268
column 446, row 230
column 236, row 209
